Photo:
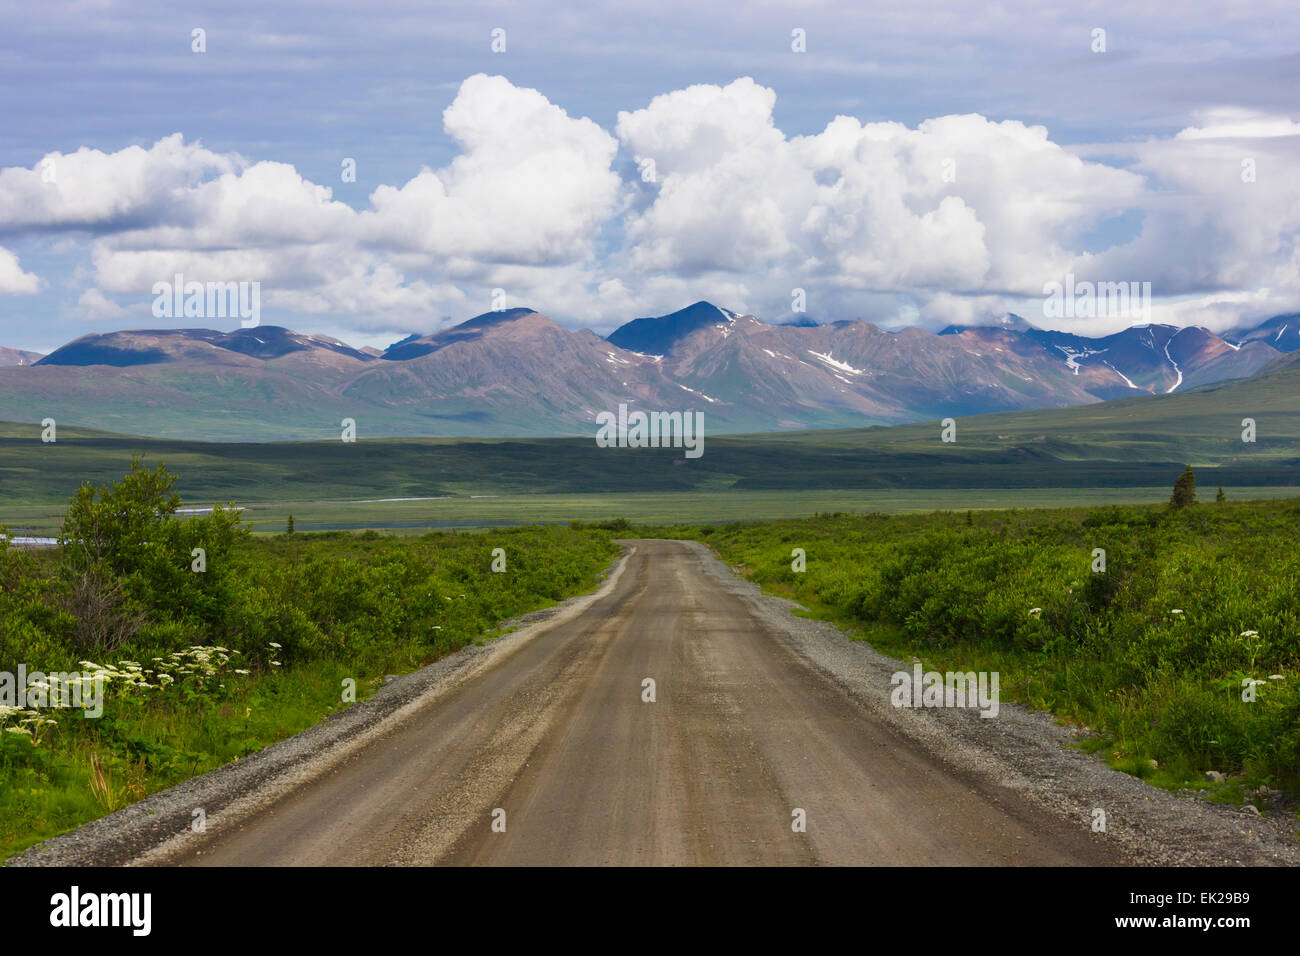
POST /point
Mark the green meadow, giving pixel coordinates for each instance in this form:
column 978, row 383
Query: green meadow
column 200, row 669
column 1125, row 451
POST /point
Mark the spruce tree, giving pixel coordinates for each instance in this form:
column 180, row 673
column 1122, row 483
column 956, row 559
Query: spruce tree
column 1184, row 489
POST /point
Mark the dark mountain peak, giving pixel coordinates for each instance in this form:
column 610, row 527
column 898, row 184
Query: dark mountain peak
column 154, row 346
column 803, row 322
column 1150, row 335
column 264, row 341
column 409, row 348
column 1282, row 332
column 275, row 341
column 703, row 306
column 406, row 341
column 657, row 335
column 498, row 317
column 130, row 347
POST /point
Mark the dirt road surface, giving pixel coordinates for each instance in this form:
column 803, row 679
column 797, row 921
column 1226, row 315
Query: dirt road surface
column 556, row 741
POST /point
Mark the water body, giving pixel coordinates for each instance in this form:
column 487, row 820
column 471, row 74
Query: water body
column 371, row 501
column 23, row 541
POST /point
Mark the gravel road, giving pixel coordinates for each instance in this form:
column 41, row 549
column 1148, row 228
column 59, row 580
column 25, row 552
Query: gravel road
column 542, row 748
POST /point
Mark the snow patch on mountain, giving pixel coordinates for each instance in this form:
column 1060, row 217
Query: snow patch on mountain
column 1174, row 387
column 1127, row 381
column 1072, row 357
column 694, row 392
column 835, row 363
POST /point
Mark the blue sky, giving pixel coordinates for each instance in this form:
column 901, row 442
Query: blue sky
column 521, row 170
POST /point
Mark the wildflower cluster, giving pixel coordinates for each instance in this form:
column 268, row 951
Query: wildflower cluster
column 203, row 666
column 21, row 720
column 197, row 671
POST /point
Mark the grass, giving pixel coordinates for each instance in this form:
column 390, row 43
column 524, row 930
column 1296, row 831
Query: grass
column 86, row 774
column 651, row 508
column 301, row 614
column 1125, row 444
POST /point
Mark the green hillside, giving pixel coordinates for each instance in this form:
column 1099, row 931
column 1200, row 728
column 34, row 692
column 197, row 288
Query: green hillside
column 1130, row 443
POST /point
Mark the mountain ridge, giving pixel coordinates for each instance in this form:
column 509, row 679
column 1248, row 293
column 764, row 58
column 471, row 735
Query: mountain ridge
column 517, row 372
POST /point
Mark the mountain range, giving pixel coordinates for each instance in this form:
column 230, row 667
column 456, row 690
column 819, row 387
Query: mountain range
column 518, row 373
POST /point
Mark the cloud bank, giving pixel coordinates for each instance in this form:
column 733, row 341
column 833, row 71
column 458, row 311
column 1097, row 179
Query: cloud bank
column 696, row 192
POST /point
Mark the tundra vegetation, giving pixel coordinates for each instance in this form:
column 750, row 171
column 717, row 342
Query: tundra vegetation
column 202, row 667
column 1178, row 651
column 1182, row 655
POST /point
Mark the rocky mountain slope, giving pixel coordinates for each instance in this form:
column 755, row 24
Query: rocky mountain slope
column 518, row 373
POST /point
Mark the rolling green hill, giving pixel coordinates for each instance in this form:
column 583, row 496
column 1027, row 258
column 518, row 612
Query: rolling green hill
column 1128, row 443
column 1201, row 425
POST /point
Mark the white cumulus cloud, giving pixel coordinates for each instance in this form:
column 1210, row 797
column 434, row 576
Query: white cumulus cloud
column 960, row 203
column 13, row 280
column 953, row 220
column 531, row 185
